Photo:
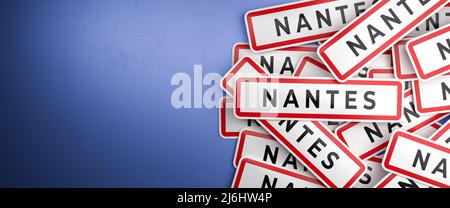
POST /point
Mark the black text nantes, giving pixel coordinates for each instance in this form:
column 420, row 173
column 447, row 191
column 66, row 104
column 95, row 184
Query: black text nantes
column 311, row 99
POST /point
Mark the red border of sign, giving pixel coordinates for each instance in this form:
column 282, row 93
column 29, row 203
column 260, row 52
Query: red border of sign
column 347, row 75
column 222, row 120
column 294, row 80
column 341, row 129
column 436, row 125
column 379, row 156
column 375, row 159
column 297, row 5
column 415, row 60
column 397, row 66
column 419, row 106
column 245, row 46
column 371, row 73
column 245, row 161
column 309, row 59
column 437, row 135
column 243, row 138
column 391, row 148
column 230, row 74
column 308, row 164
column 396, row 60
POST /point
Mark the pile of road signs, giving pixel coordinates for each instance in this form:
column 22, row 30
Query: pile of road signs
column 359, row 110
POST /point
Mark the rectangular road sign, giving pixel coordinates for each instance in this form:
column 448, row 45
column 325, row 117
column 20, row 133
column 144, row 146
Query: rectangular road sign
column 417, row 158
column 372, row 33
column 318, row 99
column 430, row 53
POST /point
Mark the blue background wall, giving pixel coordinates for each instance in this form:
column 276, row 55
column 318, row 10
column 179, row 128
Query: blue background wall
column 85, row 92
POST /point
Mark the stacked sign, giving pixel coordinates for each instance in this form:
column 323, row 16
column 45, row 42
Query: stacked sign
column 308, row 116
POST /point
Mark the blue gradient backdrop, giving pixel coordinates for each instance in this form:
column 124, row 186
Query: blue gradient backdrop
column 85, row 92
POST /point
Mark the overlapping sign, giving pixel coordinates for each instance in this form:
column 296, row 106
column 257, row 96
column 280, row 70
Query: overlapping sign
column 372, row 33
column 340, row 113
